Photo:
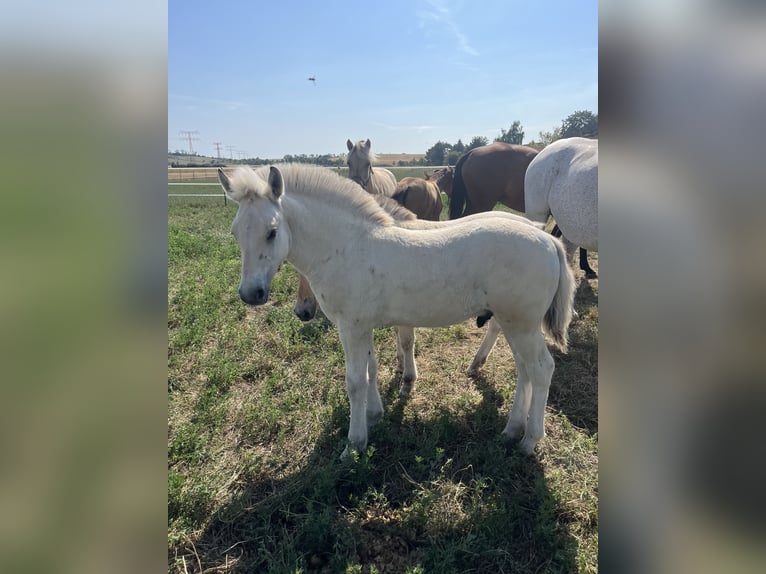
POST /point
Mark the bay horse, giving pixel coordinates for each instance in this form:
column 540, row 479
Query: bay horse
column 491, row 174
column 360, row 170
column 368, row 272
column 562, row 182
column 421, row 196
column 487, row 175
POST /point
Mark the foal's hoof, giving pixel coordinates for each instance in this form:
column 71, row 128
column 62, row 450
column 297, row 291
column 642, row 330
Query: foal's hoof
column 513, row 431
column 591, row 275
column 406, row 388
column 527, row 445
column 373, row 418
column 475, row 367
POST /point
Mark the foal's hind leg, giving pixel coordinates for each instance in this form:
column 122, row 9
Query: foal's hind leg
column 534, row 364
column 487, row 344
column 405, row 343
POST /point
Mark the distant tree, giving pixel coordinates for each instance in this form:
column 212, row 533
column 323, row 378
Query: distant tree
column 580, row 124
column 547, row 138
column 452, row 156
column 437, row 153
column 514, row 135
column 459, row 146
column 477, row 141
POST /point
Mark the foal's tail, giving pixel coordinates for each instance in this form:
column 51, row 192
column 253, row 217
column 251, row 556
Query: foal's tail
column 559, row 314
column 401, row 196
column 457, row 201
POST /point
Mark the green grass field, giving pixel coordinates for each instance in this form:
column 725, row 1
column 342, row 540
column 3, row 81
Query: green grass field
column 258, row 416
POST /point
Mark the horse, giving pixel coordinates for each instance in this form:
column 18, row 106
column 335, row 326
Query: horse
column 443, row 178
column 490, row 174
column 306, row 305
column 369, row 272
column 562, row 182
column 421, row 196
column 360, row 170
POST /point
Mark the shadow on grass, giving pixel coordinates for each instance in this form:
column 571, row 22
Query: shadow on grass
column 574, row 388
column 445, row 493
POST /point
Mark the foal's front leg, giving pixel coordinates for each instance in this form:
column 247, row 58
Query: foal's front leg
column 360, row 363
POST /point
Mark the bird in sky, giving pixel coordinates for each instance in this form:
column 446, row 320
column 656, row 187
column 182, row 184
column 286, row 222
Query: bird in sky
column 312, row 79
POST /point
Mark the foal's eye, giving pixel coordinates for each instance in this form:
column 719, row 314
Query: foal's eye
column 271, row 235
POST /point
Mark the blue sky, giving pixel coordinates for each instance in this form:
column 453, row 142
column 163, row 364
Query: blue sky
column 404, row 73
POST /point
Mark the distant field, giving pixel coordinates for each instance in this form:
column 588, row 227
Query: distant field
column 203, row 175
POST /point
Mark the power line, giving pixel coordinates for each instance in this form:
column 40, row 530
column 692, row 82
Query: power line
column 189, row 136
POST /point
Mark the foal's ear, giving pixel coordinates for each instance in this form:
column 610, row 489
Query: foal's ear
column 224, row 179
column 275, row 182
column 367, row 144
column 349, row 145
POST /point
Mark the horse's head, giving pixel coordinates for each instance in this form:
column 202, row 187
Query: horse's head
column 306, row 305
column 359, row 162
column 259, row 227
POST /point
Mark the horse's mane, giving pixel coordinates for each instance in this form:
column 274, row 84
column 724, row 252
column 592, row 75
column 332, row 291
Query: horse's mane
column 312, row 181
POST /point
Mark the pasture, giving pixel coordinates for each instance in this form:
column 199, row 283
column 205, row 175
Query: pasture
column 258, row 414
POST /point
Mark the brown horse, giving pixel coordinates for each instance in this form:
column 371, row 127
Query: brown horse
column 495, row 173
column 422, row 196
column 487, row 175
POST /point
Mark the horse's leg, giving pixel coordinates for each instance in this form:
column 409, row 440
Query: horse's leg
column 359, row 351
column 570, row 249
column 374, row 410
column 589, row 273
column 517, row 419
column 537, row 366
column 487, row 344
column 405, row 337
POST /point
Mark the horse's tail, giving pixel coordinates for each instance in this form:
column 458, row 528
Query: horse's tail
column 559, row 314
column 457, row 201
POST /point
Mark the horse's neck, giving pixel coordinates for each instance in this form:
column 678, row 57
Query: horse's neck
column 317, row 230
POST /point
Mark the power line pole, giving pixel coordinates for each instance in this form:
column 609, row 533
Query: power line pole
column 189, row 136
column 231, row 151
column 218, row 148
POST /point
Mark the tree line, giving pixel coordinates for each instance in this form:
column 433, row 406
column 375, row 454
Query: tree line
column 581, row 123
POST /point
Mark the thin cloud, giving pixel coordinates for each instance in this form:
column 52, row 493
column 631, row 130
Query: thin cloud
column 418, row 129
column 437, row 13
column 195, row 101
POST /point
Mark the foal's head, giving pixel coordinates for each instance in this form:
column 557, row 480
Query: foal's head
column 442, row 177
column 259, row 227
column 359, row 161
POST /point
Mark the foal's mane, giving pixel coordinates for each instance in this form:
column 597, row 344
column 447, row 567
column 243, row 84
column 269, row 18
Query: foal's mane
column 303, row 180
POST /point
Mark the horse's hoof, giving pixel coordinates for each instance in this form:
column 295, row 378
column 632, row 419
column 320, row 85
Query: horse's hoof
column 475, row 367
column 527, row 446
column 405, row 391
column 591, row 275
column 373, row 418
column 513, row 432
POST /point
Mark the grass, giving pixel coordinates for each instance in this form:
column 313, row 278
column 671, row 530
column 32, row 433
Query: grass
column 257, row 416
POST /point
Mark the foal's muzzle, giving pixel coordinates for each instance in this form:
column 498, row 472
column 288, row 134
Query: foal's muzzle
column 254, row 296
